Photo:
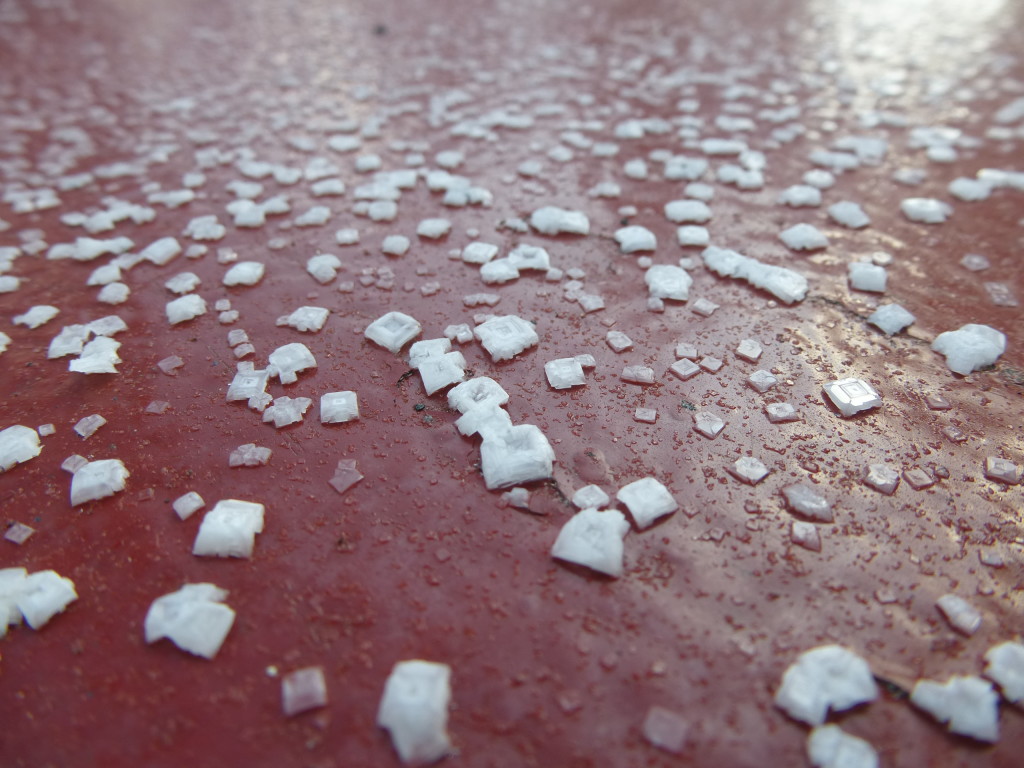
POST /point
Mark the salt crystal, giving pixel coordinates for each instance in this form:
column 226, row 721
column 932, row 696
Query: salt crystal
column 42, row 595
column 882, row 478
column 1001, row 294
column 249, row 455
column 590, row 496
column 975, row 262
column 824, row 678
column 244, row 273
column 645, row 415
column 18, row 444
column 98, row 356
column 805, row 534
column 187, row 505
column 819, row 178
column 108, row 273
column 960, row 614
column 1005, row 665
column 393, row 331
column 564, row 373
column 586, row 360
column 749, row 470
column 926, row 210
column 442, row 371
column 302, row 690
column 828, row 746
column 784, row 284
column 414, row 709
column 803, row 498
column 647, row 501
column 18, row 533
column 229, row 529
column 687, row 211
column 323, row 267
column 157, row 406
column 968, row 704
column 506, row 336
column 347, row 236
column 161, row 251
column 970, row 347
column 433, row 229
column 1002, row 470
column 593, row 538
column 637, row 374
column 634, row 239
column 169, row 365
column 45, row 430
column 194, row 618
column 708, row 424
column 481, row 392
column 114, row 293
column 346, row 475
column 97, row 480
column 891, row 318
column 520, row 454
column 205, row 228
column 762, row 381
column 305, row 319
column 691, row 235
column 800, row 196
column 186, row 308
column 867, row 277
column 711, row 364
column 286, row 410
column 316, row 216
column 685, row 369
column 851, row 396
column 749, row 350
column 525, row 257
column 36, row 316
column 87, row 427
column 618, row 341
column 687, row 350
column 288, row 360
column 804, row 237
column 970, row 190
column 498, row 271
column 183, row 282
column 665, row 281
column 460, row 332
column 780, row 412
column 479, row 253
column 665, row 729
column 550, row 220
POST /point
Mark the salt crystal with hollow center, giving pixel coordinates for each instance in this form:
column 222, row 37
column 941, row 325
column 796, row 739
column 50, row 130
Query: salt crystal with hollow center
column 804, row 499
column 918, row 479
column 826, row 678
column 393, row 331
column 414, row 710
column 647, row 501
column 339, row 407
column 711, row 364
column 960, row 614
column 564, row 373
column 593, row 538
column 708, row 424
column 968, row 704
column 851, row 396
column 194, row 618
column 303, row 690
column 506, row 336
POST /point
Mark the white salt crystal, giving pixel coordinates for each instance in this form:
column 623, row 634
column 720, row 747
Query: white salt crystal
column 618, row 341
column 205, row 228
column 637, row 374
column 305, row 319
column 749, row 470
column 288, row 360
column 926, row 210
column 42, row 595
column 442, row 371
column 98, row 356
column 960, row 614
column 421, row 351
column 704, row 307
column 780, row 412
column 347, row 236
column 302, row 690
column 593, row 538
column 9, row 283
column 803, row 498
column 1005, row 665
column 665, row 729
column 87, row 426
column 1002, row 470
column 161, row 251
column 114, row 293
column 460, row 332
column 891, row 318
column 18, row 444
column 506, row 336
column 550, row 220
column 968, row 704
column 687, row 211
column 481, row 392
column 590, row 496
column 187, row 505
column 800, row 196
column 346, row 475
column 498, row 271
column 564, row 373
column 762, row 381
column 805, row 535
column 828, row 746
column 691, row 235
column 108, row 273
column 45, row 430
column 882, row 478
column 819, row 178
column 647, row 501
column 708, row 424
column 393, row 331
column 316, row 216
column 194, row 618
column 36, row 316
column 804, row 237
column 665, row 281
column 749, row 350
column 784, row 284
column 185, row 308
column 414, row 709
column 433, row 229
column 634, row 238
column 183, row 282
column 824, row 678
column 97, row 480
column 970, row 347
column 395, row 245
column 711, row 364
column 244, row 273
column 849, row 214
column 867, row 277
column 685, row 369
column 645, row 415
column 487, row 421
column 526, row 257
column 17, row 533
column 517, row 455
column 286, row 410
column 851, row 396
column 479, row 253
column 327, row 187
column 323, row 267
column 338, row 407
column 169, row 365
column 229, row 529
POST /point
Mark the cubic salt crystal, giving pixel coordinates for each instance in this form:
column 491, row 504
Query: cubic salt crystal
column 286, row 410
column 645, row 415
column 749, row 350
column 183, row 282
column 665, row 729
column 849, row 214
column 45, row 430
column 918, row 479
column 323, row 267
column 442, row 371
column 590, row 496
column 481, row 392
column 347, row 236
column 590, row 302
column 691, row 235
column 564, row 373
column 708, row 424
column 586, row 360
column 1002, row 470
column 161, row 251
column 647, row 501
column 804, row 237
column 805, row 535
column 42, row 595
column 687, row 350
column 302, row 690
column 550, row 220
column 433, row 229
column 73, row 463
column 926, row 210
column 194, row 618
column 487, row 421
column 824, row 678
column 634, row 238
column 891, row 318
column 970, row 347
column 87, row 426
column 244, row 273
column 968, row 704
column 687, row 211
column 338, row 407
column 685, row 369
column 36, row 316
column 316, row 216
column 305, row 319
column 18, row 533
column 229, row 529
column 524, row 257
column 749, row 470
column 828, row 746
column 762, row 381
column 185, row 308
column 593, row 538
column 1005, row 665
column 18, row 444
column 97, row 480
column 247, row 384
column 187, row 505
column 867, row 277
column 393, row 331
column 346, row 475
column 882, row 478
column 517, row 455
column 960, row 614
column 249, row 455
column 414, row 709
column 665, row 281
column 711, row 364
column 784, row 284
column 498, row 271
column 114, row 293
column 804, row 499
column 288, row 360
column 637, row 374
column 479, row 253
column 618, row 341
column 800, row 196
column 504, row 337
column 421, row 351
column 851, row 396
column 236, row 337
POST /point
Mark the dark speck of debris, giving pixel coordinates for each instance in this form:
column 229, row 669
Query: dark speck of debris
column 404, row 376
column 689, row 406
column 623, row 222
column 380, row 30
column 892, row 689
column 419, row 407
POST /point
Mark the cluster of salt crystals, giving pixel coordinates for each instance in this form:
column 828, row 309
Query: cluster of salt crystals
column 785, row 284
column 36, row 597
column 970, row 347
column 18, row 444
column 250, row 384
column 97, row 480
column 287, row 361
column 969, row 705
column 506, row 336
column 229, row 529
column 194, row 618
column 393, row 331
column 306, row 319
column 826, row 678
column 926, row 210
column 286, row 410
column 828, row 746
column 438, row 366
column 414, row 710
column 323, row 267
column 303, row 690
column 249, row 455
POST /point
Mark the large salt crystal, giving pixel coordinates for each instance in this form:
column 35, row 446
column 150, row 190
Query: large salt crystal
column 229, row 529
column 647, row 501
column 36, row 316
column 828, row 746
column 550, row 220
column 960, row 614
column 634, row 239
column 968, row 704
column 481, row 392
column 286, row 361
column 97, row 480
column 563, row 373
column 185, row 308
column 440, row 371
column 506, row 336
column 784, row 284
column 851, row 396
column 18, row 444
column 308, row 319
column 849, row 214
column 393, row 331
column 98, row 356
column 244, row 273
column 687, row 211
column 593, row 538
column 514, row 456
column 161, row 251
column 867, row 277
column 665, row 281
column 882, row 478
column 970, row 347
column 323, row 267
column 824, row 678
column 708, row 424
column 414, row 710
column 807, row 501
column 926, row 210
column 338, row 407
column 891, row 318
column 804, row 237
column 194, row 618
column 302, row 690
column 1005, row 665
